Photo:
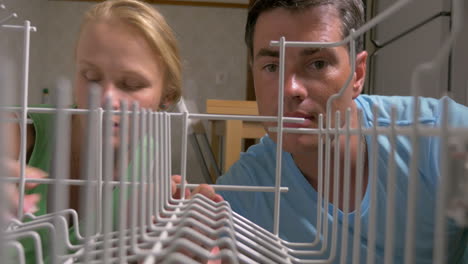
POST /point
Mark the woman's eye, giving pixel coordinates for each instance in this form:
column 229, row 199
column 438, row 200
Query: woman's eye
column 271, row 67
column 132, row 85
column 91, row 76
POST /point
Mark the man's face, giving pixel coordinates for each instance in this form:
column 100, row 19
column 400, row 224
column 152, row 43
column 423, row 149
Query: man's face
column 312, row 75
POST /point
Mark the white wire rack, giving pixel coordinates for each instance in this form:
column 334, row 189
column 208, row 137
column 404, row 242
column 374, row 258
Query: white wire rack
column 135, row 219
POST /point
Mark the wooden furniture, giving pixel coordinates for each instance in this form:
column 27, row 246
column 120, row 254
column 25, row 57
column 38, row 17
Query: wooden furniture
column 227, row 135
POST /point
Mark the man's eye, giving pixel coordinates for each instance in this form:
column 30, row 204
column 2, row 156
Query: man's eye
column 319, row 65
column 271, row 67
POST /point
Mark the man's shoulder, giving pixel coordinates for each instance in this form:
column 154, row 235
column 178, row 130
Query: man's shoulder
column 404, row 106
column 259, row 159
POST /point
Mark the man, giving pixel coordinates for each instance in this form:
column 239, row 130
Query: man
column 312, row 76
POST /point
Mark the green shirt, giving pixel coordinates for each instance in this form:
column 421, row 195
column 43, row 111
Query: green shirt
column 41, row 158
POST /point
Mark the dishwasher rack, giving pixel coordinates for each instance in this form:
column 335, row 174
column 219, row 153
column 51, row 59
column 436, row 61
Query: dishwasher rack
column 134, row 218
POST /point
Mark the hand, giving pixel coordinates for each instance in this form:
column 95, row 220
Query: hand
column 203, row 189
column 31, row 201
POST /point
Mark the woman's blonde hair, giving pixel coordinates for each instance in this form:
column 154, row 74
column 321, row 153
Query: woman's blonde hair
column 152, row 25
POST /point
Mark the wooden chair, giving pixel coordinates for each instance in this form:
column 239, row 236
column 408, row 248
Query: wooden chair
column 227, row 135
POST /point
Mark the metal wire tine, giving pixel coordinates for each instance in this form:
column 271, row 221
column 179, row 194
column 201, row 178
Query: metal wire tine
column 336, row 190
column 156, row 191
column 168, row 158
column 13, row 240
column 183, row 161
column 196, row 209
column 373, row 170
column 158, row 201
column 250, row 247
column 352, row 61
column 325, row 206
column 171, row 206
column 457, row 24
column 150, row 170
column 6, row 19
column 170, row 202
column 165, row 196
column 134, row 164
column 279, row 137
column 143, row 176
column 248, row 233
column 166, row 181
column 346, row 185
column 321, row 216
column 4, row 173
column 59, row 192
column 320, row 213
column 108, row 171
column 24, row 112
column 352, row 52
column 326, row 202
column 391, row 182
column 206, row 207
column 30, row 232
column 62, row 219
column 123, row 161
column 440, row 239
column 247, row 242
column 361, row 161
column 19, row 248
column 174, row 258
column 175, row 246
column 88, row 194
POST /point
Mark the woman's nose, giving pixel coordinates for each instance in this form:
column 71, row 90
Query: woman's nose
column 110, row 92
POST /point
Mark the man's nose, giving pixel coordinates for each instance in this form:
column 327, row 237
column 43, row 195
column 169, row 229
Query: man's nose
column 294, row 88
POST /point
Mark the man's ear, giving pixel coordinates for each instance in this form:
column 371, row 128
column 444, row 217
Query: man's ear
column 360, row 73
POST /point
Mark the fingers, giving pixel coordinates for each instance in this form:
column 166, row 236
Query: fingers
column 208, row 191
column 31, row 203
column 215, row 251
column 176, row 194
column 34, row 173
column 175, row 179
column 13, row 167
column 203, row 189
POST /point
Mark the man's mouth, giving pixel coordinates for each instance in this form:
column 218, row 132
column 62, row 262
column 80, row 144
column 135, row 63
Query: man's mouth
column 309, row 119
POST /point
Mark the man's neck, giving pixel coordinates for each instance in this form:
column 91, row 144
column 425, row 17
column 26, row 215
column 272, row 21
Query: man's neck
column 308, row 164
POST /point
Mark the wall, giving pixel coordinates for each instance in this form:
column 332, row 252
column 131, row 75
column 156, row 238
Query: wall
column 393, row 65
column 459, row 89
column 11, row 46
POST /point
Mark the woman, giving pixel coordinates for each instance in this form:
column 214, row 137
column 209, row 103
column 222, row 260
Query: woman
column 127, row 48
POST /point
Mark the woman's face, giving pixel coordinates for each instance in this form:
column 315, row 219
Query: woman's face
column 119, row 59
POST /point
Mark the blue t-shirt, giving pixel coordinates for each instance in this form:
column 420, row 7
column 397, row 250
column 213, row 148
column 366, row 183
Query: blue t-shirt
column 298, row 211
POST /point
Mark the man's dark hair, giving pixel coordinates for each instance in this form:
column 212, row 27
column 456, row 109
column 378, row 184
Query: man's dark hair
column 351, row 13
